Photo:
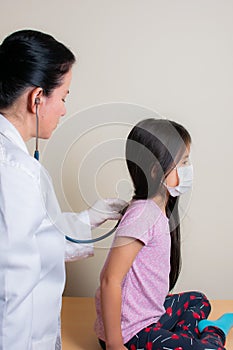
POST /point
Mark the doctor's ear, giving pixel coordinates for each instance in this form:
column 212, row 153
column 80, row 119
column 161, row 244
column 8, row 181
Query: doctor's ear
column 35, row 99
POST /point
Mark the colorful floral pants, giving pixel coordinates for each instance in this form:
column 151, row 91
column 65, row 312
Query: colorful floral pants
column 177, row 328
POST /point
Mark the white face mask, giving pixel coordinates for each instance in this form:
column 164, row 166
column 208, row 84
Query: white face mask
column 185, row 174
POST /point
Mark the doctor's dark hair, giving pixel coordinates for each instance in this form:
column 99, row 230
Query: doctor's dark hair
column 30, row 58
column 153, row 148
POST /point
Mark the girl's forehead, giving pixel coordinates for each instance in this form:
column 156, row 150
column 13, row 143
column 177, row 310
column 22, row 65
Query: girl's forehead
column 185, row 155
column 187, row 151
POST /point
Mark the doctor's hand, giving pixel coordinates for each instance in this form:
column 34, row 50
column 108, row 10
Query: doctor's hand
column 106, row 209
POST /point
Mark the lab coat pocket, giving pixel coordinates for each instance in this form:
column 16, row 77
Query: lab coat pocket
column 45, row 344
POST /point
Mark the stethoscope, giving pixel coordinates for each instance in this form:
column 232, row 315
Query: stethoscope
column 37, row 156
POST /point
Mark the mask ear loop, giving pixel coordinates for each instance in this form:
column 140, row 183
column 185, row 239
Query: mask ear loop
column 36, row 153
column 169, row 172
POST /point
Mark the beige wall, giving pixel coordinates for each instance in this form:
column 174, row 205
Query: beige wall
column 136, row 57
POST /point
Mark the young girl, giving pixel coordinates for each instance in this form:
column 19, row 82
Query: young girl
column 134, row 309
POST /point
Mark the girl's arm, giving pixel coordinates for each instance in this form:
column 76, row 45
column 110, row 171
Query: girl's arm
column 118, row 264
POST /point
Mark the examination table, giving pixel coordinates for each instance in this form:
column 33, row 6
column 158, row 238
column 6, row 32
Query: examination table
column 78, row 316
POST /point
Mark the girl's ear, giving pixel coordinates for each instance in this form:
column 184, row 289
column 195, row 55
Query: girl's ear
column 34, row 99
column 172, row 179
column 153, row 172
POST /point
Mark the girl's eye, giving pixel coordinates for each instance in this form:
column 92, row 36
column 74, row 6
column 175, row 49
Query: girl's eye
column 186, row 162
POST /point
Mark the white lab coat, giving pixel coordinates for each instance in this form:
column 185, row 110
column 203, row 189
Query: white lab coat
column 32, row 247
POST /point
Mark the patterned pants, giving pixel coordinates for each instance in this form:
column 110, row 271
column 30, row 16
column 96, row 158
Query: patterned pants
column 177, row 328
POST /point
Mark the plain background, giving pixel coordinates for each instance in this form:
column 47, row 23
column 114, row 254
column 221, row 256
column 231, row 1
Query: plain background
column 136, row 58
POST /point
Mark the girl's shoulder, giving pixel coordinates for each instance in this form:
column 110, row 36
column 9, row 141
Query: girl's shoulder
column 142, row 209
column 142, row 217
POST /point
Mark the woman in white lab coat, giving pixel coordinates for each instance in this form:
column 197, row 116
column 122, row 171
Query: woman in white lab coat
column 35, row 74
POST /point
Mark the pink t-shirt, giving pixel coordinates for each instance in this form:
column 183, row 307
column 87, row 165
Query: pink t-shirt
column 146, row 284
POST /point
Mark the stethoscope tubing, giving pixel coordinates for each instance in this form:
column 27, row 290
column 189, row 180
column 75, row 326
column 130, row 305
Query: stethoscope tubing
column 92, row 240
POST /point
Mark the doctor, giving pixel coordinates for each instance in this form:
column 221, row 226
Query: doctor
column 35, row 75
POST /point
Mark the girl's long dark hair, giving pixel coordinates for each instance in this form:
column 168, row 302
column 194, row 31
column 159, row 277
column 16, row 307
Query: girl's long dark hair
column 153, row 148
